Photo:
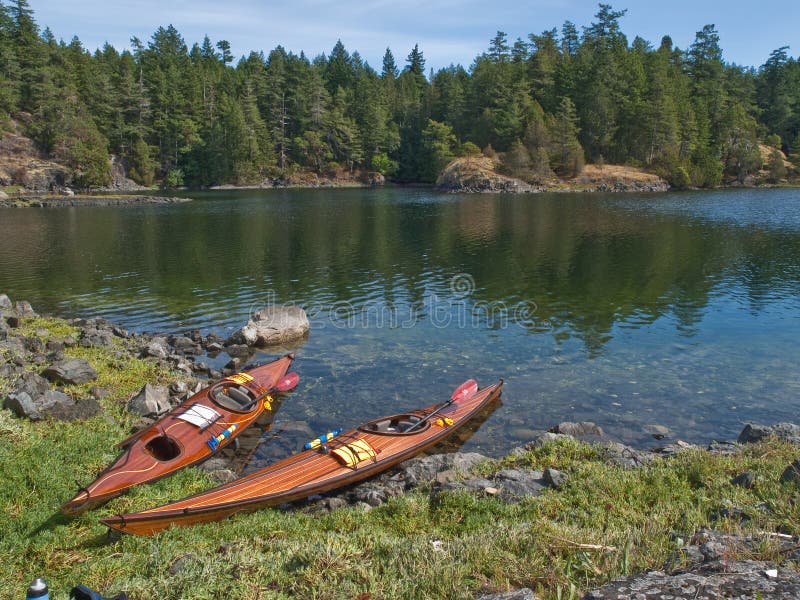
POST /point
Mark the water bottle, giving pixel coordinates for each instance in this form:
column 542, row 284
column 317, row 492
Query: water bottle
column 38, row 589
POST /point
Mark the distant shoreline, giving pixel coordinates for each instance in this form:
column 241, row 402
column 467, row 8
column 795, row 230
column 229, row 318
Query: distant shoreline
column 53, row 201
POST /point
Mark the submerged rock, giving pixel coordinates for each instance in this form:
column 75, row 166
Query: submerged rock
column 583, row 430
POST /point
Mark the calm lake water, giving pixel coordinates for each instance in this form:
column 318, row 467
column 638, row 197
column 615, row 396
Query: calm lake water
column 680, row 310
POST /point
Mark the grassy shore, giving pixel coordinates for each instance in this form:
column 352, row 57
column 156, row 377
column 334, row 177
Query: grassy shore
column 451, row 545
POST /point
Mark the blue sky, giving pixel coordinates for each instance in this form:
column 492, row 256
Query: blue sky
column 448, row 31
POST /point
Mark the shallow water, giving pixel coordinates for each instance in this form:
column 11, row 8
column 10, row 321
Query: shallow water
column 674, row 309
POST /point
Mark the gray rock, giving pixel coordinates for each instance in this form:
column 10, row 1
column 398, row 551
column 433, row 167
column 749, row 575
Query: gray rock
column 185, row 345
column 5, row 302
column 792, row 473
column 238, row 350
column 156, row 348
column 716, row 579
column 247, row 335
column 752, row 433
column 98, row 393
column 54, row 346
column 657, row 431
column 547, row 437
column 745, row 480
column 624, row 456
column 152, row 400
column 555, row 478
column 521, row 594
column 180, row 563
column 97, row 338
column 179, row 388
column 234, row 364
column 121, row 333
column 21, row 404
column 215, row 463
column 425, row 468
column 516, row 484
column 73, row 410
column 24, row 309
column 273, row 325
column 36, row 407
column 725, row 448
column 33, row 344
column 32, row 384
column 70, row 371
column 222, row 475
column 476, row 485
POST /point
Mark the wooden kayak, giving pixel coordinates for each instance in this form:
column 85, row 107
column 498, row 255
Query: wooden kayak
column 370, row 448
column 187, row 435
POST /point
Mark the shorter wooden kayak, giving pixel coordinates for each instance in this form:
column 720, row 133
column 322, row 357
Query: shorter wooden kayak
column 347, row 458
column 190, row 433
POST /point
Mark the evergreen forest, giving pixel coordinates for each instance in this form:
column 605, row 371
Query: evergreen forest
column 197, row 116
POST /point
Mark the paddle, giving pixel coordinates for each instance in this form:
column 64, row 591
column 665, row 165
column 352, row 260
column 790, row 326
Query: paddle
column 462, row 392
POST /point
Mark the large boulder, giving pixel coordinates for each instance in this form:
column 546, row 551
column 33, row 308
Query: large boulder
column 151, row 401
column 70, row 371
column 273, row 325
column 5, row 302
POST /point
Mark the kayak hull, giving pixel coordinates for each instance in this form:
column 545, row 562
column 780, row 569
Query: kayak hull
column 317, row 470
column 181, row 438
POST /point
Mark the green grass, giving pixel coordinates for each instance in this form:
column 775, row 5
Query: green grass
column 389, row 552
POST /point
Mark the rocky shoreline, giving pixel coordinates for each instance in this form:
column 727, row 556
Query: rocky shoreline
column 38, row 375
column 54, row 201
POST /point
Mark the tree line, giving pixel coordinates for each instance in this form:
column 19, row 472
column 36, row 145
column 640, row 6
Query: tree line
column 541, row 105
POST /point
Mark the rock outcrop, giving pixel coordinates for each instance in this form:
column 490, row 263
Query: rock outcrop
column 477, row 174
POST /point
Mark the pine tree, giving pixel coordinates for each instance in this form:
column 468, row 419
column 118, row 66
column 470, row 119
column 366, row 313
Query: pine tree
column 566, row 154
column 389, row 66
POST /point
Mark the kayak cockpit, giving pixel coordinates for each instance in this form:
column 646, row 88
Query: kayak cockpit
column 396, row 425
column 163, row 448
column 233, row 397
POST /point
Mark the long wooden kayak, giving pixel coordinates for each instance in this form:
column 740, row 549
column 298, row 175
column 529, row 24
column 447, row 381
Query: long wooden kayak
column 187, row 435
column 370, row 448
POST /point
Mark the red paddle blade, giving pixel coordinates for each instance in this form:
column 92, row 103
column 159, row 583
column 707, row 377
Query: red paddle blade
column 465, row 390
column 287, row 382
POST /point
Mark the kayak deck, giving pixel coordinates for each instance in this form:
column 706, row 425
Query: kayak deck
column 350, row 457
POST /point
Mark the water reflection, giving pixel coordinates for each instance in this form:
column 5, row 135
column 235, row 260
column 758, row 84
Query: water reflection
column 680, row 310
